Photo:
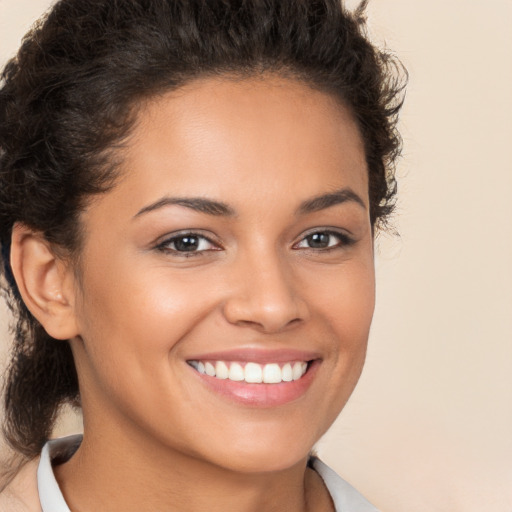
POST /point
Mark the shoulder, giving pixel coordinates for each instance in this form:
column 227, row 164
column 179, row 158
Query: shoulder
column 20, row 494
column 345, row 497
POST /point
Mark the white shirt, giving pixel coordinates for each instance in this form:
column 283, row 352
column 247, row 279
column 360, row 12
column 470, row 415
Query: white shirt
column 343, row 495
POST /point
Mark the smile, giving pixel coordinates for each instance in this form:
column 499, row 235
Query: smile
column 250, row 372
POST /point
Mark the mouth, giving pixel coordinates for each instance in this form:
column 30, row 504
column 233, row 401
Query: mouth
column 257, row 378
column 252, row 372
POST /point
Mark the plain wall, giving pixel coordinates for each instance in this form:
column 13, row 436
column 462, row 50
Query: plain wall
column 429, row 427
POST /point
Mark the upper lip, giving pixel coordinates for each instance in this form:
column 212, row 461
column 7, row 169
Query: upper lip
column 257, row 355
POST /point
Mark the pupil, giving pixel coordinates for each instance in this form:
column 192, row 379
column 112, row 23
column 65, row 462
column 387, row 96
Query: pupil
column 186, row 243
column 319, row 240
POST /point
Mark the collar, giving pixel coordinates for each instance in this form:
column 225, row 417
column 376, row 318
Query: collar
column 57, row 450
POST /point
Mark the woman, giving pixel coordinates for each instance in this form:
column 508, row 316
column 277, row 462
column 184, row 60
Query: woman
column 190, row 193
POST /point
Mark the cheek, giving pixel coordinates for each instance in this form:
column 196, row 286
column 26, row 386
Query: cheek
column 353, row 317
column 349, row 314
column 345, row 300
column 143, row 306
column 344, row 315
column 130, row 324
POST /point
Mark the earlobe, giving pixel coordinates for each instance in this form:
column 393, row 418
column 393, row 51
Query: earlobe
column 45, row 282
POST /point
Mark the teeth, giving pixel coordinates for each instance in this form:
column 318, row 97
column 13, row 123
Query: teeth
column 221, row 370
column 254, row 373
column 236, row 372
column 272, row 374
column 297, row 371
column 287, row 373
column 209, row 369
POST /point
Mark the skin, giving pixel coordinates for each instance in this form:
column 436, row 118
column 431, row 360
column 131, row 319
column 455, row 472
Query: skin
column 152, row 430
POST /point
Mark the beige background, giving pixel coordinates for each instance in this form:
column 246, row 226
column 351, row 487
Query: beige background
column 429, row 427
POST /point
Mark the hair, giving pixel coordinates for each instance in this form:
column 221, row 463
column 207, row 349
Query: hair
column 69, row 99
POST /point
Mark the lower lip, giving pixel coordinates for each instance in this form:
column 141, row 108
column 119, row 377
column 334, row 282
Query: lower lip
column 261, row 395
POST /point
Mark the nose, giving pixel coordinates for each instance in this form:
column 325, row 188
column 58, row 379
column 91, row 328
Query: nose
column 264, row 295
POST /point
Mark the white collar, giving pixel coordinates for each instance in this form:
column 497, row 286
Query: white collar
column 345, row 497
column 50, row 495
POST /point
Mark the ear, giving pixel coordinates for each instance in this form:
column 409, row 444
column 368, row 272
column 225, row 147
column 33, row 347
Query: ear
column 46, row 283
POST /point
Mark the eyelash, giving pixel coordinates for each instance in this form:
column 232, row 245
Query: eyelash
column 164, row 245
column 344, row 240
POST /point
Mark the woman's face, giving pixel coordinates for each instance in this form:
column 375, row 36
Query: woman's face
column 238, row 242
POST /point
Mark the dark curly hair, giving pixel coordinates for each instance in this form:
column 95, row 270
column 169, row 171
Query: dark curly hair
column 69, row 99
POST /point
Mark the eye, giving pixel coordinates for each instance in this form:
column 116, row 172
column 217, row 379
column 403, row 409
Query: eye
column 324, row 240
column 187, row 244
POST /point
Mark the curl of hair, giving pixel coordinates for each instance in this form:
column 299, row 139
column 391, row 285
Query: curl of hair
column 69, row 99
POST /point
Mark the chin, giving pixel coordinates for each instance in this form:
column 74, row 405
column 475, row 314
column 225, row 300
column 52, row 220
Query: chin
column 260, row 453
column 262, row 461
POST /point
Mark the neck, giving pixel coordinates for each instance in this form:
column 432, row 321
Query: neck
column 149, row 477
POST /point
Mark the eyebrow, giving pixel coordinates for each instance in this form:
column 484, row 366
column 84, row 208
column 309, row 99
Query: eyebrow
column 199, row 204
column 217, row 208
column 325, row 201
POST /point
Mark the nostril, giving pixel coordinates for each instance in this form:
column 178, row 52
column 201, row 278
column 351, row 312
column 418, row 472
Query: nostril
column 267, row 326
column 265, row 298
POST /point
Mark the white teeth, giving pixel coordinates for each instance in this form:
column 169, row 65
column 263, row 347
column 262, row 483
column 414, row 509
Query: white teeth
column 287, row 372
column 254, row 373
column 209, row 369
column 221, row 370
column 236, row 372
column 297, row 371
column 272, row 374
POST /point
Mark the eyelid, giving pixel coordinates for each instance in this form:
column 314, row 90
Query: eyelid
column 346, row 239
column 163, row 242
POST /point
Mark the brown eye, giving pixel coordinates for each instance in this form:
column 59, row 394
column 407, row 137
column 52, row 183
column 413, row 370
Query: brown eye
column 324, row 240
column 319, row 240
column 187, row 243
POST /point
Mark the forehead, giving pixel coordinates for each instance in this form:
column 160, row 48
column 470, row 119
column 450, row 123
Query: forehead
column 264, row 137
